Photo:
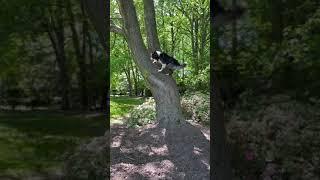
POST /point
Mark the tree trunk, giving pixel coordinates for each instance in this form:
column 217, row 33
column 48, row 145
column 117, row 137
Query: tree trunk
column 134, row 77
column 163, row 87
column 276, row 21
column 204, row 36
column 196, row 41
column 64, row 76
column 98, row 11
column 55, row 32
column 172, row 33
column 234, row 33
column 220, row 157
column 80, row 55
column 150, row 24
column 128, row 76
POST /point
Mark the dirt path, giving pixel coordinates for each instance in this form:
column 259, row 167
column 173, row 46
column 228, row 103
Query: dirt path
column 154, row 153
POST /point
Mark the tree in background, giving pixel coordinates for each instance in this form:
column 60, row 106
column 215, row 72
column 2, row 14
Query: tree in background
column 163, row 87
column 55, row 55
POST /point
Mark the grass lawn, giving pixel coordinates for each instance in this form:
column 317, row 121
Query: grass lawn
column 120, row 106
column 35, row 142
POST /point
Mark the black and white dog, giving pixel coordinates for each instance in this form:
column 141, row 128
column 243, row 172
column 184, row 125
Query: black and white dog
column 166, row 61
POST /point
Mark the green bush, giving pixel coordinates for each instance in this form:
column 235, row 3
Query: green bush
column 142, row 114
column 90, row 160
column 196, row 106
column 283, row 132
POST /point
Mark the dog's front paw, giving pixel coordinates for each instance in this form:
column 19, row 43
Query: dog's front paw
column 159, row 70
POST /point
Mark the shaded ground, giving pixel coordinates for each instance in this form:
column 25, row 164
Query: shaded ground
column 33, row 143
column 154, row 153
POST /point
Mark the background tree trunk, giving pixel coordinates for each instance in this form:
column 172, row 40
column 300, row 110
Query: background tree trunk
column 220, row 157
column 55, row 30
column 234, row 33
column 98, row 11
column 276, row 20
column 150, row 24
column 80, row 55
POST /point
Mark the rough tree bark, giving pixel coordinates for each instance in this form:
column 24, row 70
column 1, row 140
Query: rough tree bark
column 163, row 87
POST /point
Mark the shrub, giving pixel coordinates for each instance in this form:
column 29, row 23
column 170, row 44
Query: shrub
column 142, row 114
column 90, row 160
column 284, row 134
column 196, row 106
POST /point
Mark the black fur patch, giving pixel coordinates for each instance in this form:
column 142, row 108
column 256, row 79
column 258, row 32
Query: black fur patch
column 166, row 61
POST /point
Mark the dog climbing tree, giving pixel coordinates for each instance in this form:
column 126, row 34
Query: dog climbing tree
column 163, row 87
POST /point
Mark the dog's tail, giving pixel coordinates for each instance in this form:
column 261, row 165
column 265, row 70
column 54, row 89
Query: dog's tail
column 180, row 66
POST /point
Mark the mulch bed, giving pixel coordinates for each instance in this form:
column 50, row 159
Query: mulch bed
column 151, row 152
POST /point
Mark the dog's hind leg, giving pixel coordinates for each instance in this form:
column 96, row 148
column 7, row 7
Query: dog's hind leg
column 170, row 72
column 162, row 67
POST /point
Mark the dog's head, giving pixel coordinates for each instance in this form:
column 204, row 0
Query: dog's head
column 155, row 56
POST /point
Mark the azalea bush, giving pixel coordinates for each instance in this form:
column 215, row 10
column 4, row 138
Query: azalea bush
column 142, row 114
column 196, row 106
column 275, row 140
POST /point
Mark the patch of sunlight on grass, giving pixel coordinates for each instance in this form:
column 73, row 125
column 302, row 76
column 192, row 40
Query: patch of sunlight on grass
column 121, row 106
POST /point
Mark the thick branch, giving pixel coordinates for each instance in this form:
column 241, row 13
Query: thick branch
column 151, row 26
column 98, row 13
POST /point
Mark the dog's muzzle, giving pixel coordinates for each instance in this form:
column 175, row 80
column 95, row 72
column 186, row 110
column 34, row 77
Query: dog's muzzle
column 153, row 60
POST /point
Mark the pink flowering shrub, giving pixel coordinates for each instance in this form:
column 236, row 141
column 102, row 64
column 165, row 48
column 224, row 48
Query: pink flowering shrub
column 275, row 140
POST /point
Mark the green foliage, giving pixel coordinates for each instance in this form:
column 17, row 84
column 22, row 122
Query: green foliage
column 33, row 142
column 196, row 106
column 261, row 63
column 277, row 130
column 121, row 106
column 142, row 114
column 89, row 160
column 183, row 32
column 27, row 55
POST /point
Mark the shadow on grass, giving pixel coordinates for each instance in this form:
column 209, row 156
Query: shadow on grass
column 54, row 123
column 128, row 100
column 122, row 105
